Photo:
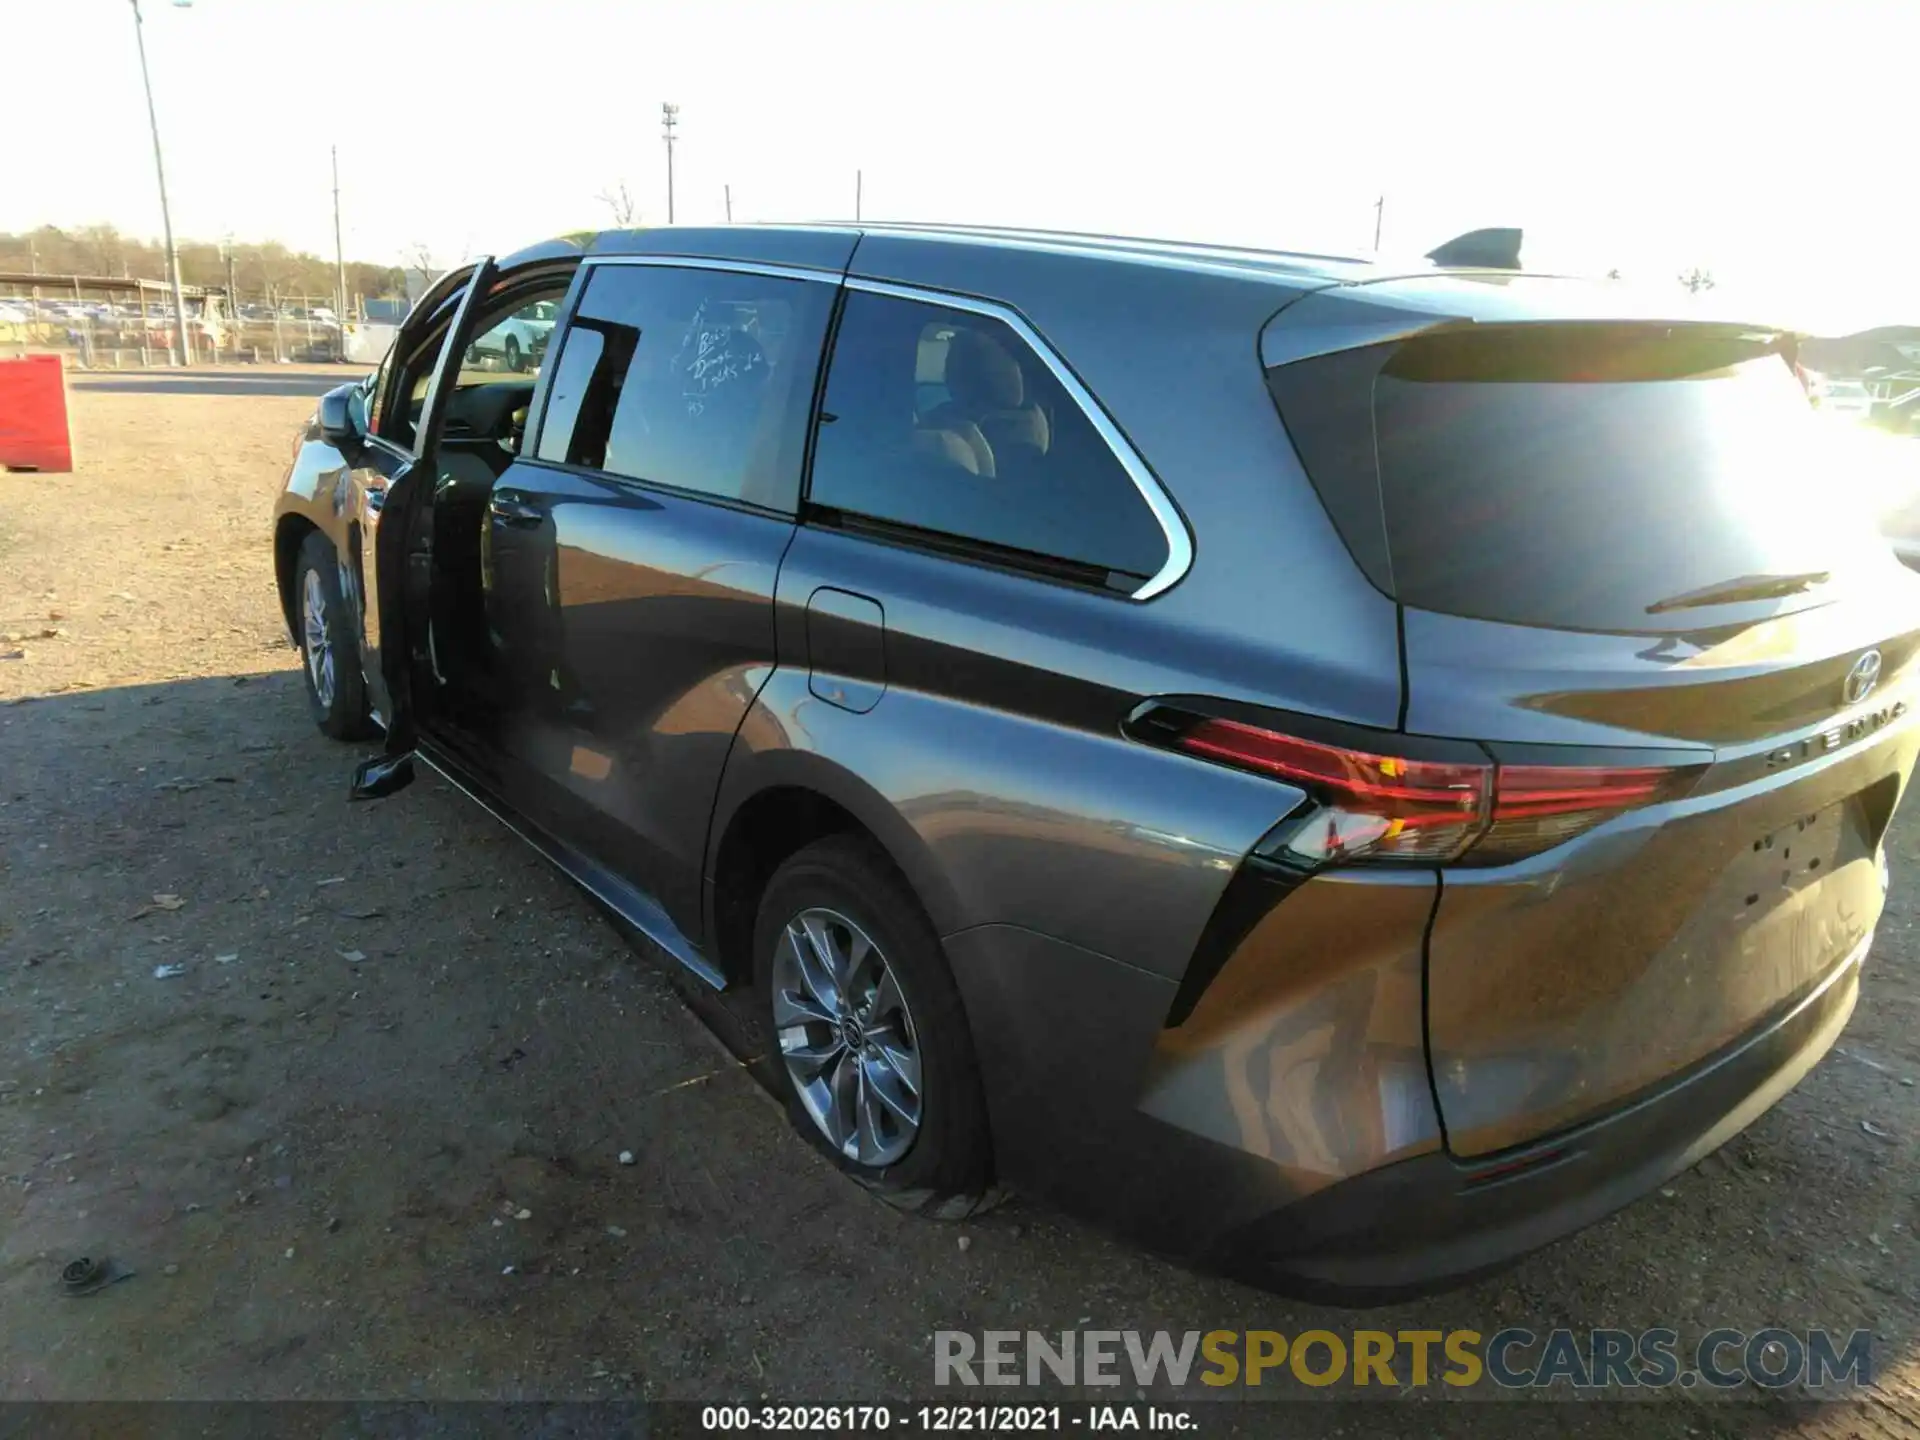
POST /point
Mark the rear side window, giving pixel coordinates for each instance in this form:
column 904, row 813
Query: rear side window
column 947, row 422
column 1596, row 477
column 694, row 379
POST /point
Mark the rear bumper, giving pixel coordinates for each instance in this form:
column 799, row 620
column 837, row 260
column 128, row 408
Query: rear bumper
column 1426, row 1223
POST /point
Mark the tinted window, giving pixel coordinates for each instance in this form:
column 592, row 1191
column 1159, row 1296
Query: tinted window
column 948, row 422
column 1593, row 477
column 696, row 379
column 382, row 392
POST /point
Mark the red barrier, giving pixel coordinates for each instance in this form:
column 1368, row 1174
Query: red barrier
column 34, row 434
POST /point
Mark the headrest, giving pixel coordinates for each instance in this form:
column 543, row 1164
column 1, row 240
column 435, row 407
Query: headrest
column 981, row 375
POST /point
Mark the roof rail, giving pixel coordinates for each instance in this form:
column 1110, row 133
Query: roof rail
column 1018, row 232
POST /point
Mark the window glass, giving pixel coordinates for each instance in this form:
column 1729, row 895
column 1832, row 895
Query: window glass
column 696, row 379
column 496, row 376
column 947, row 421
column 494, row 384
column 404, row 377
column 382, row 389
column 514, row 343
column 1588, row 477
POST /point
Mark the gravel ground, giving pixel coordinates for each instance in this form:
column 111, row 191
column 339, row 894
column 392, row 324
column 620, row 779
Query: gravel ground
column 347, row 1088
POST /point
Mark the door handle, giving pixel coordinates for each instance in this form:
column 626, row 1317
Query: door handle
column 511, row 510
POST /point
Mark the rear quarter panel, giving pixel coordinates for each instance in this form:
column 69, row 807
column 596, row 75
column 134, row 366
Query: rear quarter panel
column 993, row 766
column 1069, row 870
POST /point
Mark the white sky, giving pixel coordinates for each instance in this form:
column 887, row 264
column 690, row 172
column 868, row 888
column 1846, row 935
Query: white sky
column 1771, row 142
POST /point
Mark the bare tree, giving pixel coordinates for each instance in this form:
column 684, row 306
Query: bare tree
column 620, row 201
column 103, row 248
column 1613, row 274
column 421, row 263
column 275, row 268
column 1696, row 280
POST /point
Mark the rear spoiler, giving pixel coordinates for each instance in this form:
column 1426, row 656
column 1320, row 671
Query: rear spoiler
column 1495, row 249
column 1398, row 307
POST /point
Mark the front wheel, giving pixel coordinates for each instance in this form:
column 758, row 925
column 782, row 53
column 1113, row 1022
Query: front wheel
column 330, row 655
column 514, row 362
column 874, row 1055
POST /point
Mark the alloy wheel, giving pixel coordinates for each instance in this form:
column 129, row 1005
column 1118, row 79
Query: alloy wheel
column 313, row 612
column 847, row 1037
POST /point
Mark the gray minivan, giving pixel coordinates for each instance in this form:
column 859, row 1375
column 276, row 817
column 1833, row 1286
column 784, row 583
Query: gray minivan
column 1345, row 773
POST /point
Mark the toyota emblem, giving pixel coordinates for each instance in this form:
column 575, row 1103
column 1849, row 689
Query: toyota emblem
column 1861, row 679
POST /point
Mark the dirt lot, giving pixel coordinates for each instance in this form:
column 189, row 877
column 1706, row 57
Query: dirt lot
column 364, row 1142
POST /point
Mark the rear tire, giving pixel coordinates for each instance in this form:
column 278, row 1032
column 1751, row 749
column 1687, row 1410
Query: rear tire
column 871, row 1049
column 514, row 362
column 329, row 651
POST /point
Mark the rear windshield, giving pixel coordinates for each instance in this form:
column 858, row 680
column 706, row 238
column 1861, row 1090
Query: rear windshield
column 1596, row 477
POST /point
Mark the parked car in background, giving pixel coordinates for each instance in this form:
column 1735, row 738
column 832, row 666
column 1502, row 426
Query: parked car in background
column 520, row 340
column 1348, row 774
column 1847, row 398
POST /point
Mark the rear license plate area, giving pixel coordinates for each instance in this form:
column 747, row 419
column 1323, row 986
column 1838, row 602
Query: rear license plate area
column 1795, row 855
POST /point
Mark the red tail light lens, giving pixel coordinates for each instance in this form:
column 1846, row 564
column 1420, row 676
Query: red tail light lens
column 1388, row 808
column 1536, row 807
column 1378, row 806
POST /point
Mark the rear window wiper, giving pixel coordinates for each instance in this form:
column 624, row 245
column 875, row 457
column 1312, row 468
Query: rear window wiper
column 1746, row 587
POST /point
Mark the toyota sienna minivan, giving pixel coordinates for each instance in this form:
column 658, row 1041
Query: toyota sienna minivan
column 1347, row 773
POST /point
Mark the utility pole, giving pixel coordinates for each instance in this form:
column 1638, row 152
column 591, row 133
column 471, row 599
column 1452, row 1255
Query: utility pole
column 339, row 254
column 185, row 350
column 857, row 178
column 729, row 190
column 669, row 117
column 1379, row 214
column 233, row 299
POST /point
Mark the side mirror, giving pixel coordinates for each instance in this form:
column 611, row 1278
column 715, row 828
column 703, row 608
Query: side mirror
column 343, row 418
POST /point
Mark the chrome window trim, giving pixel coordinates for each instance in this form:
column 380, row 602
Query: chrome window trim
column 703, row 262
column 1165, row 513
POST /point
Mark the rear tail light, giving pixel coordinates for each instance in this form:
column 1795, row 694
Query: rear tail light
column 1372, row 805
column 1536, row 807
column 1376, row 807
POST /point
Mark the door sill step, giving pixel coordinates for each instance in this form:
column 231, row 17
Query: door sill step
column 632, row 904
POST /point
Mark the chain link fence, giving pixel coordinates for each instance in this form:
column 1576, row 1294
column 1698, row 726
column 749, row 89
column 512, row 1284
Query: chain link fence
column 108, row 332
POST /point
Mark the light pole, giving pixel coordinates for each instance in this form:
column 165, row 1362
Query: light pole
column 669, row 117
column 339, row 253
column 183, row 347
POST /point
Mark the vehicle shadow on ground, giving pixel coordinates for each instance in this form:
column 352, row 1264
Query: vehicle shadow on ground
column 375, row 1105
